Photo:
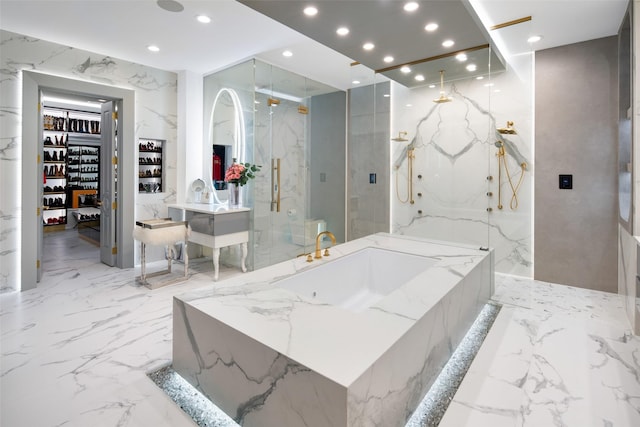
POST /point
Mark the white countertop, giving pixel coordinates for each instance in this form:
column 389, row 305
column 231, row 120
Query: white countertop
column 209, row 208
column 332, row 341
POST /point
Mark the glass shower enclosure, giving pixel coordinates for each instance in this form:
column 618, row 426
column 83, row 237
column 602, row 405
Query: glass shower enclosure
column 294, row 129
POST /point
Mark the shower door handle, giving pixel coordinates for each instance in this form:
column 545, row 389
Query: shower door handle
column 275, row 185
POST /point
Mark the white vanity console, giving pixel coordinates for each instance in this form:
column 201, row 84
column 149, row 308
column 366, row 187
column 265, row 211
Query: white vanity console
column 215, row 226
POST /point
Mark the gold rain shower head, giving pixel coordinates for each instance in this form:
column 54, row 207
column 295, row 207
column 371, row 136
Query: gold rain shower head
column 509, row 130
column 401, row 137
column 443, row 98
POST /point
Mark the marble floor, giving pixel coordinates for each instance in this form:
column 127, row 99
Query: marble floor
column 76, row 350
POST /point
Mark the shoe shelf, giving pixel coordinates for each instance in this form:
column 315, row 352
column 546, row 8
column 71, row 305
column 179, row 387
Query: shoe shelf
column 84, row 166
column 62, row 128
column 150, row 165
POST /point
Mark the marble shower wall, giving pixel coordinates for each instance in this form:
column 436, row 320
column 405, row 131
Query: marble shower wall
column 155, row 117
column 455, row 153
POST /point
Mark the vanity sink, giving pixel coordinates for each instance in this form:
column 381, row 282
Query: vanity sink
column 357, row 281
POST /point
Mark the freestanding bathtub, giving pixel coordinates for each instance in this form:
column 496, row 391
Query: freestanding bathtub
column 353, row 339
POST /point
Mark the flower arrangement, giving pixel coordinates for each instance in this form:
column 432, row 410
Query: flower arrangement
column 241, row 173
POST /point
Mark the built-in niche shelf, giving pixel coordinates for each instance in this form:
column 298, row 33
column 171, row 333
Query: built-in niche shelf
column 150, row 165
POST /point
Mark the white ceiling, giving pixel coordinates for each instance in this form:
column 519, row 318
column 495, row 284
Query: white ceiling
column 123, row 28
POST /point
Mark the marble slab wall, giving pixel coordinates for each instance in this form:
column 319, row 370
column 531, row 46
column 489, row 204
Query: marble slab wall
column 455, row 169
column 155, row 117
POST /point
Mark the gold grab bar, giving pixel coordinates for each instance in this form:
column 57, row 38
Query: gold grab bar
column 275, row 189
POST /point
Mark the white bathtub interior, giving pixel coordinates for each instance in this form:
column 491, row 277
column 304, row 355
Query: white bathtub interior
column 357, row 281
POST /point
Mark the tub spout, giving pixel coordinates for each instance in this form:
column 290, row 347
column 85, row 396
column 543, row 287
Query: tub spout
column 318, row 255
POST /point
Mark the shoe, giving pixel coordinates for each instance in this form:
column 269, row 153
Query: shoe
column 47, row 156
column 47, row 141
column 55, row 156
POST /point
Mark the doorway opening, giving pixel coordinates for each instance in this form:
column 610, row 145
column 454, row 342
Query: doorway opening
column 105, row 185
column 74, row 141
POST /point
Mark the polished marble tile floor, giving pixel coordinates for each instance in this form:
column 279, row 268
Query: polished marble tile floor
column 76, row 350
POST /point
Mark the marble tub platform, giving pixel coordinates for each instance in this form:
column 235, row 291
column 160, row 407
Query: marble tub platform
column 270, row 357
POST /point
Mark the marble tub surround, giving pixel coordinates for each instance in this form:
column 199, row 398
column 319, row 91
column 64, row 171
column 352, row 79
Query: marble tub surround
column 268, row 356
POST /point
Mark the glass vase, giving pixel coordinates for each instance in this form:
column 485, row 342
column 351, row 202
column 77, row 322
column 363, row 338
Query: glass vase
column 235, row 196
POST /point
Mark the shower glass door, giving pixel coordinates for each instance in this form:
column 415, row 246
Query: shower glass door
column 300, row 143
column 281, row 139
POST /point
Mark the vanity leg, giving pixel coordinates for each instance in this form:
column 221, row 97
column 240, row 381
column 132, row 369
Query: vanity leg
column 186, row 259
column 244, row 257
column 216, row 259
column 143, row 262
column 169, row 256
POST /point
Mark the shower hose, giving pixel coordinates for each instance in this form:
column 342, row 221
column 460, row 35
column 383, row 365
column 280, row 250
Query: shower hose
column 502, row 163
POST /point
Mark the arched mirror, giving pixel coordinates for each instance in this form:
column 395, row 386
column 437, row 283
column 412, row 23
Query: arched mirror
column 226, row 137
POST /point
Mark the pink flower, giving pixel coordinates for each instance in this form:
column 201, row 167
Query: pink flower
column 234, row 172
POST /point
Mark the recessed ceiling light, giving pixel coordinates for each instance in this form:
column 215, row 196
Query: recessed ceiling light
column 472, row 67
column 356, row 82
column 386, row 95
column 409, row 105
column 342, row 31
column 170, row 5
column 534, row 39
column 203, row 18
column 153, row 48
column 448, row 43
column 419, row 77
column 287, row 53
column 388, row 59
column 488, row 84
column 431, row 27
column 310, row 11
column 411, row 6
column 432, row 86
column 461, row 57
column 480, row 78
column 405, row 69
column 368, row 46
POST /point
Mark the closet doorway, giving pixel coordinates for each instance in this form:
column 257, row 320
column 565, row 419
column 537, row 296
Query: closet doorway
column 116, row 179
column 79, row 134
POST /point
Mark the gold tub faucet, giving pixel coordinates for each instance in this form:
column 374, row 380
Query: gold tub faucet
column 319, row 240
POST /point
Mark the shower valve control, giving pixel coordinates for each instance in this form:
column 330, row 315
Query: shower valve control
column 419, row 176
column 490, row 194
column 419, row 194
column 490, row 178
column 489, row 209
column 420, row 212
